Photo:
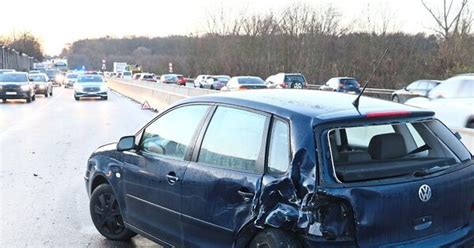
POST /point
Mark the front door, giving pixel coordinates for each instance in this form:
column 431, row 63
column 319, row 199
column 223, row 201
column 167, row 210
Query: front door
column 153, row 187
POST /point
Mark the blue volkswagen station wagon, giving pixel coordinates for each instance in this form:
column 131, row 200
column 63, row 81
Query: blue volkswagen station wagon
column 284, row 168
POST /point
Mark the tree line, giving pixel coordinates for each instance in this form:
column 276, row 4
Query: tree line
column 300, row 38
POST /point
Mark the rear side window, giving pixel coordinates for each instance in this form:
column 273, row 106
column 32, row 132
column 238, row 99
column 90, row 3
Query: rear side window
column 171, row 134
column 234, row 140
column 387, row 151
column 279, row 150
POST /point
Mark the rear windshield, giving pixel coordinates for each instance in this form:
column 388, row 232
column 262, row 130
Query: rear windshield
column 127, row 73
column 72, row 75
column 293, row 78
column 251, row 80
column 385, row 151
column 351, row 82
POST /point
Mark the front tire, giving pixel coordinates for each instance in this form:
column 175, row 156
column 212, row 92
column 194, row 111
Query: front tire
column 77, row 98
column 106, row 216
column 273, row 238
column 29, row 99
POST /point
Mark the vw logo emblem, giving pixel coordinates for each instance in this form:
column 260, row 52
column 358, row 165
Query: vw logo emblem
column 424, row 192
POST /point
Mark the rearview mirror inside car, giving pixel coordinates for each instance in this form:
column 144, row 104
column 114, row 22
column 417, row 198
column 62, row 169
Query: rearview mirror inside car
column 126, row 143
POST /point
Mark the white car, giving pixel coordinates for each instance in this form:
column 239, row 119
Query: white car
column 127, row 75
column 452, row 101
column 200, row 80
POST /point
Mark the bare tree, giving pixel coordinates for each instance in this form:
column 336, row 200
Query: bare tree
column 449, row 20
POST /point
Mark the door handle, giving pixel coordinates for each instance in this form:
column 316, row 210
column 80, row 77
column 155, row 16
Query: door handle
column 172, row 178
column 246, row 195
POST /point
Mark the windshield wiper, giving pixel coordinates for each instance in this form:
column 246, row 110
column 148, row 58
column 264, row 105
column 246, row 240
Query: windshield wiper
column 425, row 172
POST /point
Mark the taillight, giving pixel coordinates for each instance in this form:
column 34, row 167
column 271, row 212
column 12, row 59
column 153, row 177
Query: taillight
column 283, row 85
column 388, row 114
column 242, row 88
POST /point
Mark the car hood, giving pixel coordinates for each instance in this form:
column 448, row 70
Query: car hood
column 107, row 147
column 91, row 84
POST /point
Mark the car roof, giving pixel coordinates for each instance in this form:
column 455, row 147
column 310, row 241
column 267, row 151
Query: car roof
column 320, row 105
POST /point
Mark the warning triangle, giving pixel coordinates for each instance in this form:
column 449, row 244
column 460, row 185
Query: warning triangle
column 146, row 106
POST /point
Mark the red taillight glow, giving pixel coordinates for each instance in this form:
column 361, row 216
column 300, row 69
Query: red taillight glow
column 388, row 114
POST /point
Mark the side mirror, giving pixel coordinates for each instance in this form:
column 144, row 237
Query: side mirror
column 126, row 143
column 458, row 135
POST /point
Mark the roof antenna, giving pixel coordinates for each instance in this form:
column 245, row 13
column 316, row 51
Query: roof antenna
column 356, row 101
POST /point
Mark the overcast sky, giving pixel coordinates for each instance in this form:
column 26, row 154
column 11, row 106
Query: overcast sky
column 58, row 22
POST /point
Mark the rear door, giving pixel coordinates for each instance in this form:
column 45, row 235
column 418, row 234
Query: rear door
column 220, row 183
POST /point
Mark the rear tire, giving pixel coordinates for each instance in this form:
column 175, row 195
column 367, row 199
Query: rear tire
column 396, row 98
column 106, row 214
column 470, row 124
column 104, row 97
column 273, row 238
column 46, row 94
column 51, row 92
column 297, row 85
column 33, row 98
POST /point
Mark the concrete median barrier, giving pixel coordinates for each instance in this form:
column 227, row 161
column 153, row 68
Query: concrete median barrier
column 158, row 95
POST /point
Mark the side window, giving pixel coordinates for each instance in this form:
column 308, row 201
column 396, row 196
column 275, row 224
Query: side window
column 171, row 134
column 361, row 136
column 279, row 151
column 234, row 139
column 413, row 86
column 423, row 85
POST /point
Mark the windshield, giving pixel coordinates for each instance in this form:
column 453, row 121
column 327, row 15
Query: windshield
column 251, row 80
column 223, row 79
column 38, row 78
column 13, row 77
column 52, row 73
column 90, row 79
column 170, row 77
column 72, row 76
column 385, row 151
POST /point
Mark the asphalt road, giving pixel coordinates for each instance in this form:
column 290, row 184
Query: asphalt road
column 44, row 147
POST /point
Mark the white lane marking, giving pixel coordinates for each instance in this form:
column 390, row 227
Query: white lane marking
column 28, row 118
